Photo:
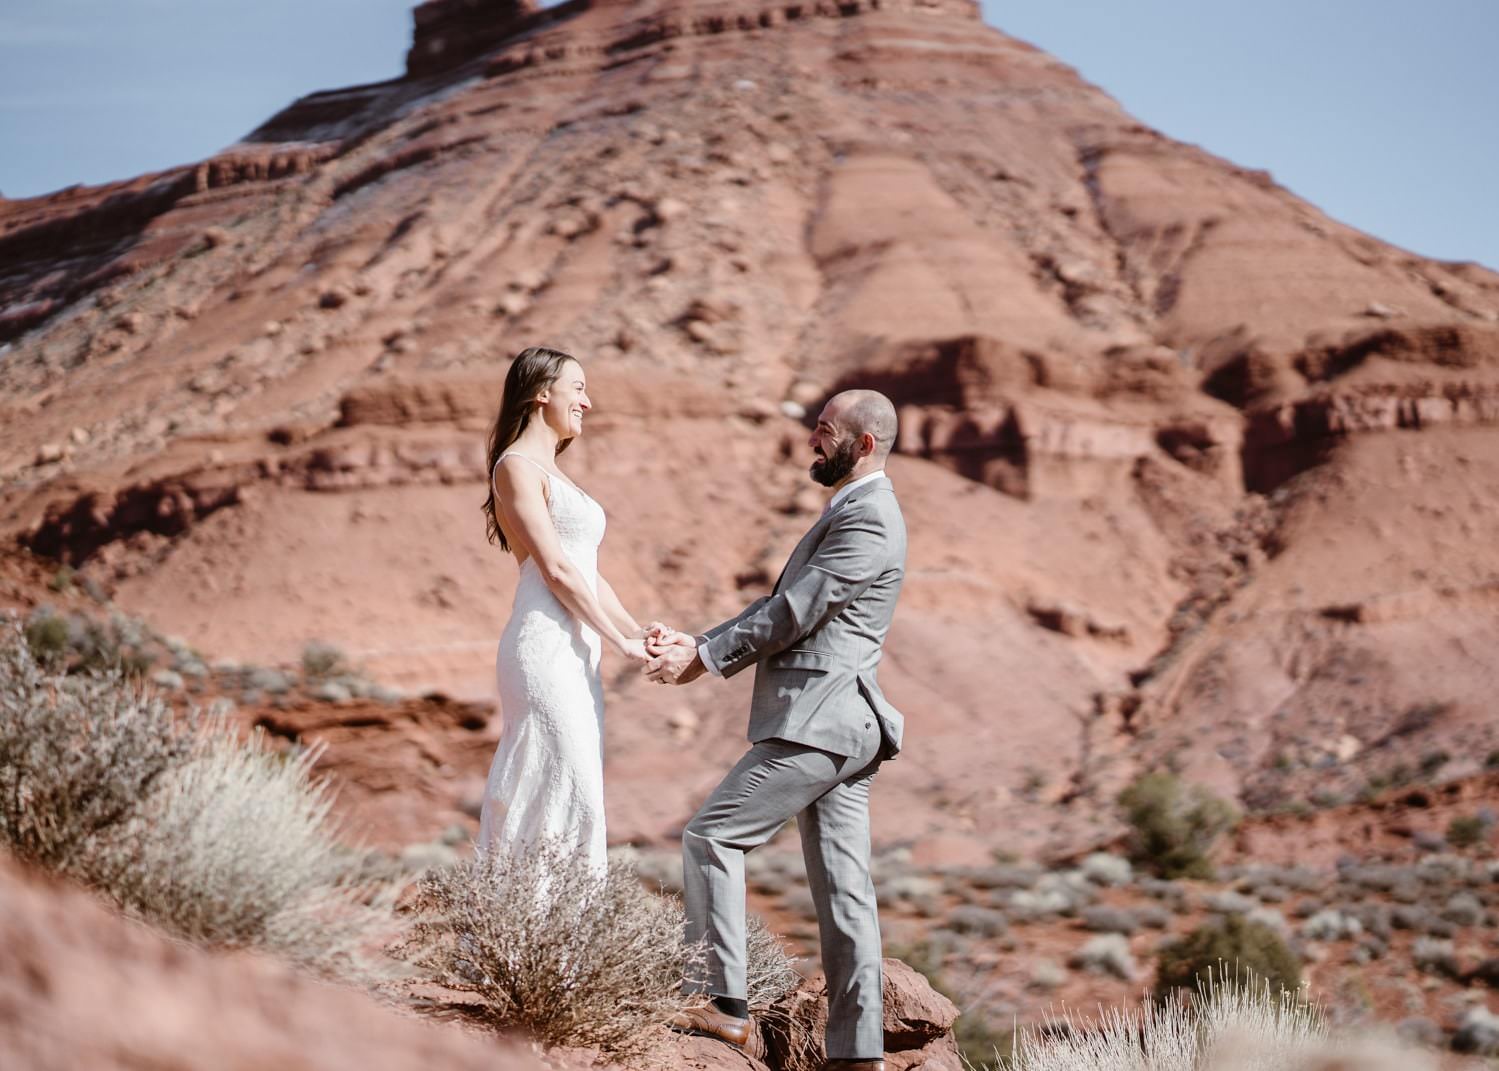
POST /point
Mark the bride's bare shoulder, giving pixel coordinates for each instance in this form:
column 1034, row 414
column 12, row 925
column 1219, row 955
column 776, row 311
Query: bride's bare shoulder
column 516, row 475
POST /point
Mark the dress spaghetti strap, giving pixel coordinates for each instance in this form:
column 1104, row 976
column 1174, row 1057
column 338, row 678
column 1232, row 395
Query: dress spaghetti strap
column 523, row 457
column 550, row 475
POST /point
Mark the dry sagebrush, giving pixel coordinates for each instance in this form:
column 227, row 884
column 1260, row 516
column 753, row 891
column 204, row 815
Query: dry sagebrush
column 571, row 955
column 236, row 847
column 175, row 818
column 77, row 756
column 1235, row 1025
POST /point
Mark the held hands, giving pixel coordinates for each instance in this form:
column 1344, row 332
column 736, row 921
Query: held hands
column 673, row 655
column 650, row 641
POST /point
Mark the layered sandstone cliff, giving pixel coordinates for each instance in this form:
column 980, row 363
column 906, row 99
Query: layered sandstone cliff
column 1173, row 442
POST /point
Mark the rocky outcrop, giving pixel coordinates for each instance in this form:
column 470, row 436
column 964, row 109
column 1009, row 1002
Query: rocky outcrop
column 918, row 1025
column 1026, row 424
column 450, row 32
column 107, row 231
column 80, row 986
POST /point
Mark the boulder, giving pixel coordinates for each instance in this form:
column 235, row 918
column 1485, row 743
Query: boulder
column 918, row 1025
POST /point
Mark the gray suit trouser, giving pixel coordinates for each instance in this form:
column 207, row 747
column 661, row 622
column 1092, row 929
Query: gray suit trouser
column 829, row 796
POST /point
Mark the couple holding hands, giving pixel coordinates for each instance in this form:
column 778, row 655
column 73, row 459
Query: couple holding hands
column 819, row 726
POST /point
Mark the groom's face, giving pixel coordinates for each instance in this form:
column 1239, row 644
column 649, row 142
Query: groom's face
column 836, row 450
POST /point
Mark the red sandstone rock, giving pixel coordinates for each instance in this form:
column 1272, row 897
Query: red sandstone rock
column 1136, row 382
column 918, row 1025
column 81, row 986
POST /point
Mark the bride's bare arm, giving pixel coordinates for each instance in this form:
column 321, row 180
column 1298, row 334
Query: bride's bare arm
column 521, row 499
column 616, row 612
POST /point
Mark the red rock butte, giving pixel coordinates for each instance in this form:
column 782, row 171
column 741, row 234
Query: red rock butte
column 1194, row 474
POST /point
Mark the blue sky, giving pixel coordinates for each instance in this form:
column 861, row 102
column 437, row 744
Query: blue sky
column 1385, row 113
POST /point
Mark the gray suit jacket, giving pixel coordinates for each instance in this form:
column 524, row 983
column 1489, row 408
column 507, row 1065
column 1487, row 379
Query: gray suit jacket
column 816, row 639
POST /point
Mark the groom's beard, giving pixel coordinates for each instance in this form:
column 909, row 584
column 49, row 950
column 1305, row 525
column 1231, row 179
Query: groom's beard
column 829, row 470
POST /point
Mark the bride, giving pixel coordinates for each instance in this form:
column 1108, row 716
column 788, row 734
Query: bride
column 547, row 779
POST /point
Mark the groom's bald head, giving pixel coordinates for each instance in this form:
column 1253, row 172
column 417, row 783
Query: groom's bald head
column 867, row 412
column 854, row 434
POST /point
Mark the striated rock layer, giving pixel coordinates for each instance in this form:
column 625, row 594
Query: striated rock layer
column 1193, row 473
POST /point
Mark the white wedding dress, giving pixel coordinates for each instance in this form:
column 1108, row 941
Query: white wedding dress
column 547, row 779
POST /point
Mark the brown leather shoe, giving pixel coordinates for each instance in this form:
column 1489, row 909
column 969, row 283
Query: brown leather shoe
column 709, row 1022
column 854, row 1065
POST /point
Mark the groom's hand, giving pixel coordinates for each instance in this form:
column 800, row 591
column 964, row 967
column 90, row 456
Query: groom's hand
column 677, row 662
column 659, row 637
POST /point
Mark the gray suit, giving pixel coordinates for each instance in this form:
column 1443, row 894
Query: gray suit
column 819, row 728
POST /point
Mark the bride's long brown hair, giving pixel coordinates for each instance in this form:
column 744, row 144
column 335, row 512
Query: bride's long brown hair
column 534, row 369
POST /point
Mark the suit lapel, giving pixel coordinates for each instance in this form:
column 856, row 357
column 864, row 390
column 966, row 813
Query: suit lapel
column 822, row 522
column 798, row 553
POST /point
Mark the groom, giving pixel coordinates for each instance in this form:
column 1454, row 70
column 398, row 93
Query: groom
column 819, row 728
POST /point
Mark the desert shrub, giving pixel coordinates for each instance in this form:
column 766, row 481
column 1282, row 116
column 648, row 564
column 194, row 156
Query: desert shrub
column 770, row 973
column 321, row 660
column 1486, row 971
column 1108, row 953
column 979, row 921
column 909, row 887
column 1308, row 907
column 1442, row 869
column 1331, row 925
column 1435, row 956
column 235, row 847
column 1101, row 868
column 1380, row 877
column 1003, row 876
column 1173, row 826
column 1038, row 904
column 1153, row 916
column 572, row 955
column 1268, row 916
column 1374, row 917
column 1465, row 831
column 47, row 634
column 1228, row 902
column 1160, row 889
column 1239, row 1024
column 1104, row 919
column 1047, row 974
column 175, row 818
column 80, row 644
column 551, row 946
column 77, row 756
column 1477, row 1032
column 1234, row 945
column 1463, row 909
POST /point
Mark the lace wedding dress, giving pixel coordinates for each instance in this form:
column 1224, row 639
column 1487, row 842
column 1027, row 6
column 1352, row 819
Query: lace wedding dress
column 546, row 783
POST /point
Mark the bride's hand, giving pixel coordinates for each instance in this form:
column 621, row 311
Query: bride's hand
column 658, row 637
column 633, row 648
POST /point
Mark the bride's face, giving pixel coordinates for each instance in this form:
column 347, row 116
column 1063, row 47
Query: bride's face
column 563, row 404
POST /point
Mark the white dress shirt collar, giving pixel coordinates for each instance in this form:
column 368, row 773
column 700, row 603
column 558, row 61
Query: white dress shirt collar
column 848, row 488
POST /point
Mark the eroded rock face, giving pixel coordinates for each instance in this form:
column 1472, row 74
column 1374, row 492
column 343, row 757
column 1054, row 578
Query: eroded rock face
column 82, row 987
column 1163, row 422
